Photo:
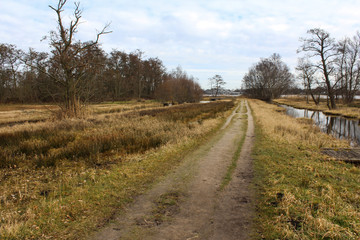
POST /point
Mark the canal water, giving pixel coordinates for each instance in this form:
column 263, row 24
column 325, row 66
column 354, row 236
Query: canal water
column 339, row 127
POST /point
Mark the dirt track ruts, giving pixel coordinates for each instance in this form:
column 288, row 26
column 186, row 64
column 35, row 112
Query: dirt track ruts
column 203, row 211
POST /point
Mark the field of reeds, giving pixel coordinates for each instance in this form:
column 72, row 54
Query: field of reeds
column 347, row 110
column 13, row 114
column 60, row 179
column 302, row 194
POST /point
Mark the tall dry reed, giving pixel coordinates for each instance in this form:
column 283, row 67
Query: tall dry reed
column 61, row 178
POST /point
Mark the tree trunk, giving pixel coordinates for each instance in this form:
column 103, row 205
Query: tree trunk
column 312, row 96
column 328, row 83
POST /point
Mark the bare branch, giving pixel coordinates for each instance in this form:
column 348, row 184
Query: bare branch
column 103, row 32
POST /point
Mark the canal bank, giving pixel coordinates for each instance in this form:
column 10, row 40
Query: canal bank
column 337, row 126
column 345, row 110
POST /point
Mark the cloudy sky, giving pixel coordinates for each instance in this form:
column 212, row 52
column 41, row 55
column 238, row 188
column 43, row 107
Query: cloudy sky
column 205, row 37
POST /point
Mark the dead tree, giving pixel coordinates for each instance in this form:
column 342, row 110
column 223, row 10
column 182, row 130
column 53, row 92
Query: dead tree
column 216, row 83
column 307, row 74
column 321, row 46
column 349, row 67
column 66, row 58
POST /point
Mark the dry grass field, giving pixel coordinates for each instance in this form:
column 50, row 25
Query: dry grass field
column 60, row 179
column 16, row 113
column 302, row 194
column 63, row 178
column 11, row 114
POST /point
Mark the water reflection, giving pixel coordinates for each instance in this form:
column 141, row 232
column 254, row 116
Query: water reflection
column 337, row 126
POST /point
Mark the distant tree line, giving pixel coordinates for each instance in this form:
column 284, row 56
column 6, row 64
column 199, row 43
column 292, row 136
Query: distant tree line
column 75, row 72
column 29, row 77
column 179, row 87
column 326, row 66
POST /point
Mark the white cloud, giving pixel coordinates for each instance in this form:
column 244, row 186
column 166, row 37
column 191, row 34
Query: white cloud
column 206, row 37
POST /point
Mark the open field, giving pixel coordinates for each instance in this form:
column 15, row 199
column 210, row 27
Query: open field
column 16, row 113
column 61, row 179
column 351, row 111
column 302, row 194
column 11, row 114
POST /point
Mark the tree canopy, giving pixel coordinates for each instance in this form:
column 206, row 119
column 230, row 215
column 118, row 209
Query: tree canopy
column 268, row 79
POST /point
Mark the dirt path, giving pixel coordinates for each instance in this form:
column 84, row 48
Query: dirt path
column 234, row 212
column 188, row 204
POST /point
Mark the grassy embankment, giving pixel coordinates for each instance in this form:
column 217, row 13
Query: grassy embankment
column 62, row 179
column 351, row 110
column 301, row 193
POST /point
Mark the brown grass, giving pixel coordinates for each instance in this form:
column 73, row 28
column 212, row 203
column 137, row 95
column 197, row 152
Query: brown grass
column 11, row 114
column 302, row 193
column 60, row 179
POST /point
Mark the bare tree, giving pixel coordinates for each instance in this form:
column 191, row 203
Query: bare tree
column 67, row 58
column 307, row 75
column 348, row 64
column 34, row 82
column 9, row 72
column 216, row 84
column 268, row 79
column 179, row 87
column 154, row 72
column 135, row 73
column 321, row 47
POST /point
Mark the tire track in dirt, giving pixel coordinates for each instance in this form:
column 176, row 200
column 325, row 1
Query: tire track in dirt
column 235, row 208
column 202, row 211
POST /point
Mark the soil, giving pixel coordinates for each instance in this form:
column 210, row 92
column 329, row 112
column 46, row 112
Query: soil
column 189, row 203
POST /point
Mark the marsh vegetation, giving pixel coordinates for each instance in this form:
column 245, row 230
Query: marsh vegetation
column 302, row 194
column 64, row 177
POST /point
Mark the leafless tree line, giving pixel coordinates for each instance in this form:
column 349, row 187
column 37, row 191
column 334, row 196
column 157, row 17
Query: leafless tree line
column 179, row 87
column 27, row 76
column 334, row 65
column 75, row 72
column 33, row 76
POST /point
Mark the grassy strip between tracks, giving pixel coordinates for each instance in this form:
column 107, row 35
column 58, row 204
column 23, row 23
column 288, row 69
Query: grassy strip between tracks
column 236, row 155
column 301, row 194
